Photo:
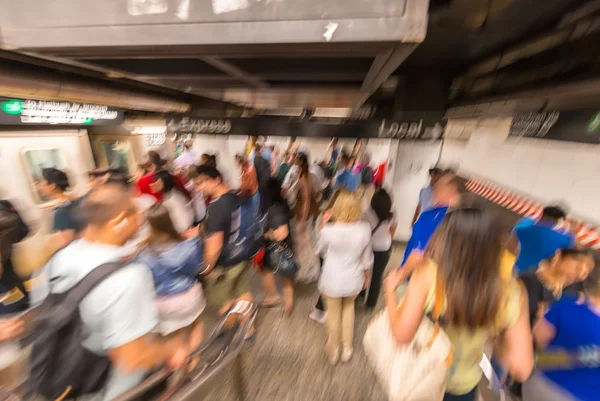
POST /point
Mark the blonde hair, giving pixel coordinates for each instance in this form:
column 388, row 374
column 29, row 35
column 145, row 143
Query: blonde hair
column 347, row 208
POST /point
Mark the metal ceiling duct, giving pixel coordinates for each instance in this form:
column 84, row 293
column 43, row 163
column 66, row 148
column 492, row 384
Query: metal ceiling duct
column 21, row 82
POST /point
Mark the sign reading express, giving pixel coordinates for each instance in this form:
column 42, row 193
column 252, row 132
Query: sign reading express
column 41, row 112
column 268, row 126
column 573, row 126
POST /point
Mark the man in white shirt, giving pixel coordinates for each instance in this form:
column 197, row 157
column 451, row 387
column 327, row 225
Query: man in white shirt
column 119, row 314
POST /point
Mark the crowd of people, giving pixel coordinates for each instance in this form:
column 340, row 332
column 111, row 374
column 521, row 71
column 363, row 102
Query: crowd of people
column 147, row 253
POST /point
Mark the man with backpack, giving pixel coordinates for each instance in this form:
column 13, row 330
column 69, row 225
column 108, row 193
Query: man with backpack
column 231, row 240
column 96, row 313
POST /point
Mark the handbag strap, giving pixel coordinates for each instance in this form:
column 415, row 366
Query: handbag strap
column 438, row 304
column 379, row 222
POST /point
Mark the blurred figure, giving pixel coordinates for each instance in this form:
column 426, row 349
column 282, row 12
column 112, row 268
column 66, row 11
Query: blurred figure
column 198, row 202
column 464, row 255
column 97, row 177
column 569, row 331
column 204, row 159
column 118, row 314
column 277, row 237
column 263, row 173
column 175, row 263
column 426, row 194
column 304, row 210
column 143, row 202
column 276, row 160
column 266, row 152
column 383, row 227
column 176, row 202
column 346, row 271
column 292, row 147
column 156, row 164
column 55, row 186
column 562, row 274
column 284, row 168
column 248, row 180
column 447, row 193
column 13, row 292
column 187, row 157
column 345, row 178
column 249, row 148
column 538, row 240
column 223, row 221
column 334, row 153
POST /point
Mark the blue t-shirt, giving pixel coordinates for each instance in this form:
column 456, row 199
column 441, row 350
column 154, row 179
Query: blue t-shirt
column 423, row 229
column 524, row 222
column 347, row 180
column 538, row 242
column 577, row 332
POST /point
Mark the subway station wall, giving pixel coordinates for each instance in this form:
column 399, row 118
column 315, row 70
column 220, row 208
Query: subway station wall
column 548, row 171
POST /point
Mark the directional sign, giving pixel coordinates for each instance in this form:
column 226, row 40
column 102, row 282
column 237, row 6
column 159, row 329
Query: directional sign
column 572, row 125
column 43, row 112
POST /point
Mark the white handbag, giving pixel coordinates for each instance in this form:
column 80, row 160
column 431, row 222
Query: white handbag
column 416, row 371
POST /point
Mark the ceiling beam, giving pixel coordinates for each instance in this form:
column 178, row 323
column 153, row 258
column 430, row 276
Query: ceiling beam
column 283, row 76
column 382, row 68
column 234, row 71
column 113, row 74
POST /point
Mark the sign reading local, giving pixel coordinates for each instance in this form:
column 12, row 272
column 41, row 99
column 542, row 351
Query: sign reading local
column 271, row 126
column 571, row 125
column 43, row 112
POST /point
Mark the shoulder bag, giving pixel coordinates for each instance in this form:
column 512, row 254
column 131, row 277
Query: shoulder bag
column 280, row 258
column 415, row 371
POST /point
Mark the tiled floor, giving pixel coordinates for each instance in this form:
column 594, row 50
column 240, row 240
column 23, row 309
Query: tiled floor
column 287, row 362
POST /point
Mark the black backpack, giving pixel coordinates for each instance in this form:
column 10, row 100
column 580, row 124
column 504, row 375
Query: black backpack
column 60, row 365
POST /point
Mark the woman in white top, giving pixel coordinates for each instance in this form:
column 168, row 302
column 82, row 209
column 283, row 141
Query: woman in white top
column 178, row 204
column 383, row 227
column 346, row 270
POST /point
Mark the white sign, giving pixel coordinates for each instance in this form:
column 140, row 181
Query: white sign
column 400, row 130
column 201, row 126
column 156, row 139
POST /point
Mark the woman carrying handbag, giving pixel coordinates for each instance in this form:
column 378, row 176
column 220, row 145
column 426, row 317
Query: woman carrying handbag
column 458, row 281
column 279, row 254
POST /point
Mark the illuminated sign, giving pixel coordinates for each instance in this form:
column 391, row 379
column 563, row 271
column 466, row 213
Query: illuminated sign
column 42, row 112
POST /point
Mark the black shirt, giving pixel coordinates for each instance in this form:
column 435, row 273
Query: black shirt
column 224, row 215
column 537, row 293
column 11, row 285
column 263, row 171
column 279, row 215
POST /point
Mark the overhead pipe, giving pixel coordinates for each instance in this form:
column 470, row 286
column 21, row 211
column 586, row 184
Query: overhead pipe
column 22, row 82
column 553, row 39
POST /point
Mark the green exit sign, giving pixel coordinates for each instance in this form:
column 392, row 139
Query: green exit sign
column 12, row 106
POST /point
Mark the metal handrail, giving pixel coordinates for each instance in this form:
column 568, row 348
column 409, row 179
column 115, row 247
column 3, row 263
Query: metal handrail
column 196, row 382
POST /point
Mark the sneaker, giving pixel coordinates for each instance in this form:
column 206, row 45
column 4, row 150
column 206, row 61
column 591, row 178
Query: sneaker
column 347, row 354
column 318, row 316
